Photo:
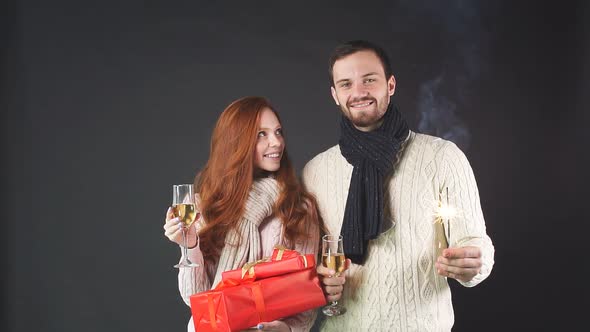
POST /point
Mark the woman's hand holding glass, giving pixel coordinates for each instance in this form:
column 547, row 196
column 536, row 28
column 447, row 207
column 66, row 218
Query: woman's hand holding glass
column 173, row 229
column 181, row 218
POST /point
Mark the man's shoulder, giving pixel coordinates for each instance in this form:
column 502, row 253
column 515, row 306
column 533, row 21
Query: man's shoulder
column 417, row 140
column 322, row 157
column 429, row 146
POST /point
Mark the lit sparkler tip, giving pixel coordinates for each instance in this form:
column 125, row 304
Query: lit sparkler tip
column 446, row 211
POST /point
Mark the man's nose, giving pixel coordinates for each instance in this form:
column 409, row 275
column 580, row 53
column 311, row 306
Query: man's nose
column 359, row 90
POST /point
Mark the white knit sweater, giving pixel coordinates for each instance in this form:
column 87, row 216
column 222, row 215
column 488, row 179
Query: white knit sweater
column 397, row 289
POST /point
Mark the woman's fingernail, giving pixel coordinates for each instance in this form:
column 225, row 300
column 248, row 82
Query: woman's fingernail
column 179, row 226
column 260, row 326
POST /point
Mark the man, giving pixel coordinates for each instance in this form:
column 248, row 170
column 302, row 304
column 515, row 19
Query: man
column 380, row 187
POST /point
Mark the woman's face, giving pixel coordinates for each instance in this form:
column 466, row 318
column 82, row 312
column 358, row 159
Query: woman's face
column 269, row 142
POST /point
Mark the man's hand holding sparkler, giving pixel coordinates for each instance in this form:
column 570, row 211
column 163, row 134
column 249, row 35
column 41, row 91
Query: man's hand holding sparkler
column 459, row 263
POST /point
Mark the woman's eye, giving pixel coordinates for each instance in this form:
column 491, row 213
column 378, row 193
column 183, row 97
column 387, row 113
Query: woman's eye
column 279, row 132
column 261, row 134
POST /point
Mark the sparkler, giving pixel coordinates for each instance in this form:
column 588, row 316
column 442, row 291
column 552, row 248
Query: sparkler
column 444, row 212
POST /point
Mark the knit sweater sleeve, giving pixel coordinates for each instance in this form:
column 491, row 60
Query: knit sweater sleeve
column 195, row 280
column 303, row 322
column 467, row 227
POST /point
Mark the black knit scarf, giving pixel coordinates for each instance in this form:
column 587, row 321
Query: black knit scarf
column 373, row 155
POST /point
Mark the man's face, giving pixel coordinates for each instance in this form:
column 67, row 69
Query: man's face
column 361, row 89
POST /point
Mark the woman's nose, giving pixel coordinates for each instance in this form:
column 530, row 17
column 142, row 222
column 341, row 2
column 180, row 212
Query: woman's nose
column 274, row 140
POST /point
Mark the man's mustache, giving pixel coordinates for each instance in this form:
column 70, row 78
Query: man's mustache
column 358, row 100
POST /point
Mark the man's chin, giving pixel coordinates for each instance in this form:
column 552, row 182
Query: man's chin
column 365, row 123
column 364, row 120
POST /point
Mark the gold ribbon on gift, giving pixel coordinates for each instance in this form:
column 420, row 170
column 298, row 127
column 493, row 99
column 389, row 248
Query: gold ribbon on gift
column 248, row 268
column 281, row 249
column 304, row 260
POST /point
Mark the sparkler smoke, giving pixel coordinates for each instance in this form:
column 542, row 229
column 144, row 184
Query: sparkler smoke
column 465, row 40
column 438, row 117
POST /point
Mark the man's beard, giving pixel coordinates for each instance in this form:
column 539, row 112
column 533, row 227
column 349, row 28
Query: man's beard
column 366, row 118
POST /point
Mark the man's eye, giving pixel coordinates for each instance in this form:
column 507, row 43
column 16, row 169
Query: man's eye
column 345, row 85
column 369, row 80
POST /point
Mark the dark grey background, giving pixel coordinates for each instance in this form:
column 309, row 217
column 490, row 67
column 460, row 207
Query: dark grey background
column 106, row 105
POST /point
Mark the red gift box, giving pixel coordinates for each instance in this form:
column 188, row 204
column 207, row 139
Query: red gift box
column 281, row 262
column 240, row 303
column 280, row 252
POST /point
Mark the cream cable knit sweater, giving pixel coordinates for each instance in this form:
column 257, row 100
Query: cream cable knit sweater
column 262, row 232
column 397, row 289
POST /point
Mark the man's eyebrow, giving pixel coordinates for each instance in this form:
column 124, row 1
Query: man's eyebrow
column 365, row 75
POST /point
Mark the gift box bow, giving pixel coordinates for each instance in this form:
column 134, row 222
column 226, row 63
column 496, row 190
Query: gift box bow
column 282, row 261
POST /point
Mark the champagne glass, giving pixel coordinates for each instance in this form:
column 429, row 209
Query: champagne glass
column 183, row 205
column 333, row 258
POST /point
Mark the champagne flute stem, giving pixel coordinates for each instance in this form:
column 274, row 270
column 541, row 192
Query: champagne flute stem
column 335, row 303
column 184, row 246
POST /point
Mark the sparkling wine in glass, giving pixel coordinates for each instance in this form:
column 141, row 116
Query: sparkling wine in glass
column 334, row 259
column 184, row 208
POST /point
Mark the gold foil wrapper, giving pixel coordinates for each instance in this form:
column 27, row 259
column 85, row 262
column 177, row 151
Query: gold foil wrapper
column 440, row 238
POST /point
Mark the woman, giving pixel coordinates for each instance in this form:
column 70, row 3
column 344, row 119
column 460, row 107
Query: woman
column 250, row 201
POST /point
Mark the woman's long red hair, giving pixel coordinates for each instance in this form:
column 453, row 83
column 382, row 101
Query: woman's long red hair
column 225, row 181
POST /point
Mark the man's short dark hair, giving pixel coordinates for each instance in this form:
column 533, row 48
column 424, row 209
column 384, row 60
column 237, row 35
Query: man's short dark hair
column 351, row 47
